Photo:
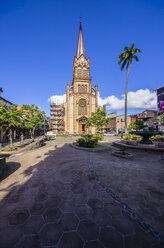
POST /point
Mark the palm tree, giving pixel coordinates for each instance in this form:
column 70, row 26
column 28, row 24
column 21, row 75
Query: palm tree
column 126, row 59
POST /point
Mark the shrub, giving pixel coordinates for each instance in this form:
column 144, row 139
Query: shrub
column 87, row 140
column 81, row 142
column 128, row 137
column 157, row 138
column 135, row 137
column 132, row 137
column 98, row 136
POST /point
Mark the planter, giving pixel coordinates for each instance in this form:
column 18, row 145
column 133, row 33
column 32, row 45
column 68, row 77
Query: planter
column 90, row 149
column 122, row 155
column 161, row 144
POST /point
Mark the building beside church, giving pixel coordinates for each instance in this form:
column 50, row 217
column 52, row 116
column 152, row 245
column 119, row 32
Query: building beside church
column 81, row 97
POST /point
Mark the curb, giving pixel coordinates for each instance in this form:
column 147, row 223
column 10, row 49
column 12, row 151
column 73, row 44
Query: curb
column 118, row 144
column 99, row 149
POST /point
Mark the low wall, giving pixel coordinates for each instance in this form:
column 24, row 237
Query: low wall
column 34, row 145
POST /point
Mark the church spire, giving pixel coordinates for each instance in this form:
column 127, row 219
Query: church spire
column 80, row 45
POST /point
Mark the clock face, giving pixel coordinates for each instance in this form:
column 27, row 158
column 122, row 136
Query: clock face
column 82, row 59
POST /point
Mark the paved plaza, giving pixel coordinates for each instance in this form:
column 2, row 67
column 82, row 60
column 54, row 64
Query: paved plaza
column 53, row 200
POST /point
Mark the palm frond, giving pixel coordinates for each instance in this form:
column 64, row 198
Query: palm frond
column 136, row 58
column 128, row 55
column 137, row 50
column 132, row 46
column 123, row 64
column 126, row 48
column 120, row 60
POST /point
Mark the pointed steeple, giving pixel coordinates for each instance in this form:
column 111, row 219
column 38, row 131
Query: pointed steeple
column 80, row 44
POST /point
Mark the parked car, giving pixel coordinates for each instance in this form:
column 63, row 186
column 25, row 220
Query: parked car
column 50, row 135
column 112, row 133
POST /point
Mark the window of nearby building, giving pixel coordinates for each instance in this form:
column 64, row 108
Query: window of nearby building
column 79, row 72
column 82, row 107
column 79, row 88
column 84, row 72
column 82, row 88
column 85, row 88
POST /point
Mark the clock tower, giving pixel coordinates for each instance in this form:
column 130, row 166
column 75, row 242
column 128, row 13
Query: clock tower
column 81, row 97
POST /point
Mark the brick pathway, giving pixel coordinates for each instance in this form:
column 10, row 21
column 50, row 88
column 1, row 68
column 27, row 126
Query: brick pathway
column 56, row 202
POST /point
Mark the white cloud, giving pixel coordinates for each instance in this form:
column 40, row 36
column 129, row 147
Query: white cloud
column 139, row 99
column 58, row 99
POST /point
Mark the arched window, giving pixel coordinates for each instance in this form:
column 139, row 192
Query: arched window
column 84, row 72
column 79, row 88
column 79, row 72
column 85, row 88
column 82, row 88
column 82, row 107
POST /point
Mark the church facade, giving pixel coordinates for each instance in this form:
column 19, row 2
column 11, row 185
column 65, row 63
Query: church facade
column 81, row 97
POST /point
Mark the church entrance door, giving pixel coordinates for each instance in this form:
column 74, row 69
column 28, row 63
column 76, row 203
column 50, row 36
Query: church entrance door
column 82, row 125
column 82, row 129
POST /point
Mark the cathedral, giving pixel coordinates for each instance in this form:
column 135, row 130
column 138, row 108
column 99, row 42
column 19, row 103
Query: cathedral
column 81, row 97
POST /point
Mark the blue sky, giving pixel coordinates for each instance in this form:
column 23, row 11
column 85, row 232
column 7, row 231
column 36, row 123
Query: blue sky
column 39, row 39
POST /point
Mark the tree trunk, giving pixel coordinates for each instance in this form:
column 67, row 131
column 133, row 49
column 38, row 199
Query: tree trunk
column 33, row 132
column 127, row 75
column 11, row 138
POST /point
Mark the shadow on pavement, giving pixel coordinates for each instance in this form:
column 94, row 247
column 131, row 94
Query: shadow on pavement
column 57, row 202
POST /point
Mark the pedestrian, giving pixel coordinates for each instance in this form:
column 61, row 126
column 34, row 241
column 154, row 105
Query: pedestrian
column 22, row 137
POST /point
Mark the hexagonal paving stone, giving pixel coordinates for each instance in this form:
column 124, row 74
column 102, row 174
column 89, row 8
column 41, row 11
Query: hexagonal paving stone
column 14, row 198
column 67, row 205
column 101, row 218
column 9, row 236
column 98, row 187
column 141, row 239
column 53, row 201
column 77, row 188
column 50, row 234
column 37, row 208
column 41, row 196
column 95, row 203
column 19, row 217
column 70, row 240
column 33, row 225
column 69, row 222
column 112, row 209
column 80, row 198
column 105, row 197
column 66, row 195
column 123, row 224
column 88, row 230
column 83, row 211
column 52, row 215
column 26, row 242
column 110, row 238
column 93, row 244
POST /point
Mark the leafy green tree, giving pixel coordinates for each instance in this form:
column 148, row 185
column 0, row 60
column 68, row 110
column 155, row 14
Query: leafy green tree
column 137, row 125
column 33, row 118
column 126, row 59
column 161, row 119
column 98, row 119
column 10, row 119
